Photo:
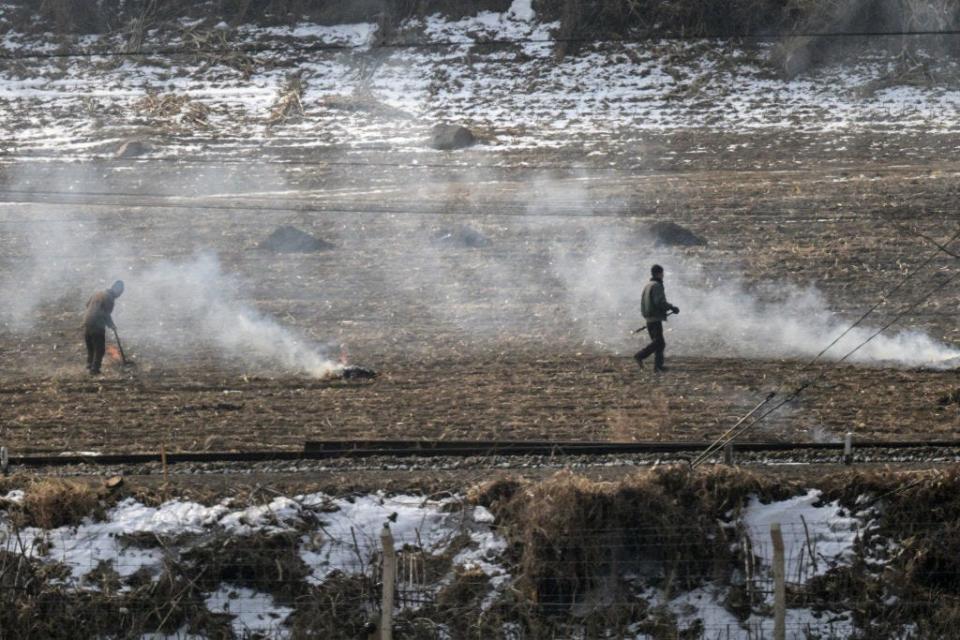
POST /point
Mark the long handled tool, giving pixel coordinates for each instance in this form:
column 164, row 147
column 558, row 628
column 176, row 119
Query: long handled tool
column 123, row 357
column 644, row 327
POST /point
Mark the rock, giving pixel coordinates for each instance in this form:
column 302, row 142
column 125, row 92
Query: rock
column 670, row 234
column 113, row 482
column 287, row 239
column 447, row 137
column 463, row 236
column 132, row 149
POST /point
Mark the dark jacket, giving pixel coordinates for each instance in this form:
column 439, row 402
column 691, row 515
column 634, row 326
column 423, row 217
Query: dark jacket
column 654, row 305
column 99, row 308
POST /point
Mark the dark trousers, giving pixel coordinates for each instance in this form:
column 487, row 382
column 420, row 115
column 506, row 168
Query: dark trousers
column 96, row 340
column 656, row 346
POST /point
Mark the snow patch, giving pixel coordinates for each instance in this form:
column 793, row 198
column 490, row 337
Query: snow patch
column 815, row 538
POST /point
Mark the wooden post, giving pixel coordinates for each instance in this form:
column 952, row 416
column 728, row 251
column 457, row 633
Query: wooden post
column 779, row 584
column 848, row 448
column 389, row 580
column 728, row 454
column 166, row 473
column 4, row 461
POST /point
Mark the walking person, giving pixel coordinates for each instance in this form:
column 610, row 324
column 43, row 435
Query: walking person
column 655, row 308
column 96, row 320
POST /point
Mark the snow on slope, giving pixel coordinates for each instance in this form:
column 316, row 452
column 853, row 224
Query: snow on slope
column 519, row 97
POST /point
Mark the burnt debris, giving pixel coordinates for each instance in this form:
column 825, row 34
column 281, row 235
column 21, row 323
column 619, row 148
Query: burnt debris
column 354, row 372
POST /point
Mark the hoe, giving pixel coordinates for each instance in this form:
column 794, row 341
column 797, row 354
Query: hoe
column 123, row 357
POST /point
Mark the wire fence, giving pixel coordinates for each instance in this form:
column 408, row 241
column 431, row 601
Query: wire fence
column 452, row 575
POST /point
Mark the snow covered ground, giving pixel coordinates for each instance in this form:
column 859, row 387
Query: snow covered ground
column 339, row 535
column 342, row 536
column 604, row 101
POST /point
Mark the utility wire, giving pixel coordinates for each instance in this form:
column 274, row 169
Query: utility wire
column 490, row 42
column 806, row 384
column 513, row 167
column 741, row 427
column 883, row 298
column 568, row 209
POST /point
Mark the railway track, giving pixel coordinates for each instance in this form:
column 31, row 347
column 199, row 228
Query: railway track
column 332, row 449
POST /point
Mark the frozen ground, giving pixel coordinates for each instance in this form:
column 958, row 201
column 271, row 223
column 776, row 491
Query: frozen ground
column 342, row 537
column 606, row 105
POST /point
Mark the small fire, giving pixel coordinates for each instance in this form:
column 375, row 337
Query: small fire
column 344, row 357
column 112, row 353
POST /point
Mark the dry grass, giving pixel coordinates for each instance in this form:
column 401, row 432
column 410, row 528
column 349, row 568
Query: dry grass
column 289, row 105
column 570, row 534
column 579, row 18
column 51, row 502
column 175, row 109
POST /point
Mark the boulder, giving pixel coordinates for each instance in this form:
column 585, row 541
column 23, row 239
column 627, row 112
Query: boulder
column 287, row 239
column 670, row 234
column 447, row 137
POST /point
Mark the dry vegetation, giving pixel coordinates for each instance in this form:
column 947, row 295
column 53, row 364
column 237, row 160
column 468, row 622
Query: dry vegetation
column 578, row 17
column 573, row 543
column 49, row 503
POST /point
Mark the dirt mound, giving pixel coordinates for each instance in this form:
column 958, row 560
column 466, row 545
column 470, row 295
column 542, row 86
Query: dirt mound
column 287, row 239
column 670, row 234
column 463, row 236
column 447, row 137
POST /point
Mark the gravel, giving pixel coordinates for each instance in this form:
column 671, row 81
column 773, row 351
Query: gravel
column 479, row 463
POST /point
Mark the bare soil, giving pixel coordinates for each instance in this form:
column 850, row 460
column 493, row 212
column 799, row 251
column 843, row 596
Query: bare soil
column 483, row 367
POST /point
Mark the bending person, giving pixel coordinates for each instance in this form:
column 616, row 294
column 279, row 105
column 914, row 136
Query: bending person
column 95, row 322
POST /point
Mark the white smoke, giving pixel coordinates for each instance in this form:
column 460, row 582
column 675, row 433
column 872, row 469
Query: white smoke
column 720, row 314
column 182, row 307
column 171, row 309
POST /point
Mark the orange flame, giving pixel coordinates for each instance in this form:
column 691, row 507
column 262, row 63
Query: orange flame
column 112, row 353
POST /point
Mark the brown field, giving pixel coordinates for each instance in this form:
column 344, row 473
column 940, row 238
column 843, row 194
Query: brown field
column 480, row 353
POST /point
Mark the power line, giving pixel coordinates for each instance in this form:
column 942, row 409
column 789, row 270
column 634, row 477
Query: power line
column 559, row 209
column 489, row 42
column 903, row 281
column 803, row 386
column 739, row 428
column 633, row 171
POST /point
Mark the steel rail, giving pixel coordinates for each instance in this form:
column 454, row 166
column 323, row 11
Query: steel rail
column 329, row 449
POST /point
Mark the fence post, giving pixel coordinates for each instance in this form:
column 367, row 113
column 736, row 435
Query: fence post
column 389, row 580
column 848, row 448
column 728, row 454
column 4, row 461
column 779, row 584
